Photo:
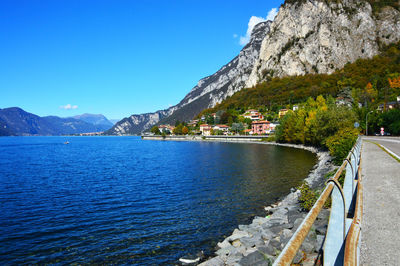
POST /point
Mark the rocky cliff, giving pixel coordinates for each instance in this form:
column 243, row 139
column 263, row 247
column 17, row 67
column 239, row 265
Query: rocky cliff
column 321, row 36
column 307, row 36
column 208, row 91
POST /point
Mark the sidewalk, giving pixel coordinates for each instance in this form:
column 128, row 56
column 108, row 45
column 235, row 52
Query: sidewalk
column 380, row 242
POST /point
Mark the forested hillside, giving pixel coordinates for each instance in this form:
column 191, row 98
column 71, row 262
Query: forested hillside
column 280, row 92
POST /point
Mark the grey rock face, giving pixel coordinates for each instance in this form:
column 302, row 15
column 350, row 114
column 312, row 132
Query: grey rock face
column 316, row 37
column 135, row 124
column 255, row 258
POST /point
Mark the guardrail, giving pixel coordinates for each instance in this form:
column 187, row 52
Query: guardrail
column 341, row 246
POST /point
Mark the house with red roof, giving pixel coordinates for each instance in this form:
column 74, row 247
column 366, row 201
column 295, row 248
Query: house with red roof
column 223, row 128
column 205, row 129
column 261, row 127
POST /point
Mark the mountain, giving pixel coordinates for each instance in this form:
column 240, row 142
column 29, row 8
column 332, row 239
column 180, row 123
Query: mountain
column 208, row 91
column 98, row 120
column 16, row 122
column 307, row 36
column 322, row 36
column 347, row 83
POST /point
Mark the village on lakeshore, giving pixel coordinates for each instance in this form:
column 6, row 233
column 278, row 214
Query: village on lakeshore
column 250, row 122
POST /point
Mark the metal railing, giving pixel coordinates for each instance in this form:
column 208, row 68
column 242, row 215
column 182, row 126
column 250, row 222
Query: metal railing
column 339, row 249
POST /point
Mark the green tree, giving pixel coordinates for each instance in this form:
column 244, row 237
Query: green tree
column 155, row 130
column 391, row 121
column 248, row 122
column 178, row 129
column 210, row 120
column 237, row 127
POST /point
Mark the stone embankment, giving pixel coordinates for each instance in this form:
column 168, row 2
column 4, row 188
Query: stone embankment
column 260, row 242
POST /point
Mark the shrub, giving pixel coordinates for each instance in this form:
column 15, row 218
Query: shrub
column 308, row 196
column 340, row 144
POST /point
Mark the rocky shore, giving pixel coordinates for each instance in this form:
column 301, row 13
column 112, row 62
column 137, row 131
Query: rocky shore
column 260, row 242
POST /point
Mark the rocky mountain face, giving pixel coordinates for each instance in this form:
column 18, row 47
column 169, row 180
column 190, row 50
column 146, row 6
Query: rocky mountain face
column 307, row 36
column 208, row 91
column 16, row 122
column 318, row 36
column 135, row 124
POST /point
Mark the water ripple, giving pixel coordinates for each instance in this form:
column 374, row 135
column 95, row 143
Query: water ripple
column 109, row 200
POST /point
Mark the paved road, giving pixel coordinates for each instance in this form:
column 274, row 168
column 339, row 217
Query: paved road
column 392, row 143
column 380, row 242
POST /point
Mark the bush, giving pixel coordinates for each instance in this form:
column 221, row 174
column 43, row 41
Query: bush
column 391, row 121
column 308, row 196
column 155, row 130
column 340, row 144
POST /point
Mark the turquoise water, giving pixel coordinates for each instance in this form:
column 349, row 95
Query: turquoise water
column 124, row 200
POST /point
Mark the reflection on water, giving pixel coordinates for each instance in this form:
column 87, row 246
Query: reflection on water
column 124, row 200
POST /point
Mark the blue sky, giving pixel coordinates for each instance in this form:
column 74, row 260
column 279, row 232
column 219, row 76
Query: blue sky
column 118, row 57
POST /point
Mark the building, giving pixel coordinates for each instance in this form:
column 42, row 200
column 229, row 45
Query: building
column 389, row 106
column 283, row 112
column 254, row 115
column 252, row 111
column 167, row 129
column 248, row 132
column 205, row 129
column 272, row 128
column 295, row 107
column 223, row 128
column 193, row 123
column 260, row 127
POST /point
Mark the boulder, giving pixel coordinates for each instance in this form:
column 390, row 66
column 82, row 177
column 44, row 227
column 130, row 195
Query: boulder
column 297, row 223
column 268, row 250
column 319, row 244
column 267, row 234
column 285, row 236
column 324, row 214
column 255, row 259
column 237, row 234
column 236, row 243
column 275, row 243
column 224, row 244
column 216, row 261
column 251, row 242
column 260, row 220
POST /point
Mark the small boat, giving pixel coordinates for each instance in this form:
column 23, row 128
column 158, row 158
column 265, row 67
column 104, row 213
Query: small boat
column 67, row 142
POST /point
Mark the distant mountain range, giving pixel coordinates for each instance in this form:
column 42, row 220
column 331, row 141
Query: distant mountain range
column 16, row 122
column 99, row 120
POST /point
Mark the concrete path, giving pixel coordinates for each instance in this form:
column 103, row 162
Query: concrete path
column 380, row 242
column 392, row 143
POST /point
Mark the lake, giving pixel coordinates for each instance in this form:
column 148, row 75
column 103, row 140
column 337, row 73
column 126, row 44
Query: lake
column 123, row 200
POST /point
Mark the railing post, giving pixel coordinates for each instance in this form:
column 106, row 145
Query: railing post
column 336, row 182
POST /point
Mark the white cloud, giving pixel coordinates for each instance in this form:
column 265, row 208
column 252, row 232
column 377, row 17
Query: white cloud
column 272, row 14
column 253, row 22
column 69, row 107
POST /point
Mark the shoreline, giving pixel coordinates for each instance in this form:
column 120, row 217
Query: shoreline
column 263, row 239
